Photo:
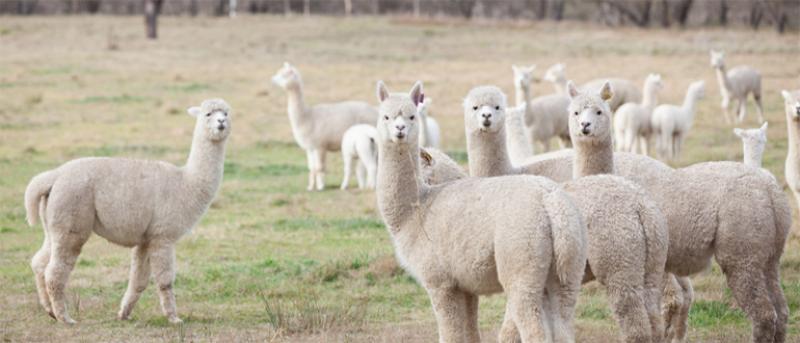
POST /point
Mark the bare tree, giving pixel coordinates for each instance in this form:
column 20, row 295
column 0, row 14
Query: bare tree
column 558, row 9
column 287, row 8
column 682, row 11
column 152, row 8
column 306, row 8
column 541, row 9
column 193, row 8
column 640, row 18
column 665, row 22
column 756, row 14
column 466, row 7
column 348, row 7
column 416, row 8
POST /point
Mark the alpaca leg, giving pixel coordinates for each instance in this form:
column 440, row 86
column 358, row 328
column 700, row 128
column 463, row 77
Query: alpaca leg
column 643, row 145
column 65, row 249
column 348, row 167
column 759, row 107
column 773, row 280
column 751, row 294
column 39, row 265
column 162, row 262
column 742, row 109
column 139, row 277
column 672, row 302
column 726, row 102
column 627, row 302
column 320, row 163
column 681, row 321
column 653, row 292
column 361, row 172
column 508, row 331
column 473, row 334
column 311, row 169
column 526, row 305
column 372, row 171
column 449, row 306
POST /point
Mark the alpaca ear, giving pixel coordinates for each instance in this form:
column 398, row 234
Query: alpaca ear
column 416, row 93
column 287, row 65
column 422, row 98
column 739, row 132
column 606, row 93
column 382, row 92
column 764, row 127
column 195, row 111
column 427, row 159
column 786, row 95
column 572, row 90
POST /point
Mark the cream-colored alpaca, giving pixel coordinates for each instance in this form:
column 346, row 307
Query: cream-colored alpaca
column 146, row 205
column 438, row 168
column 632, row 120
column 543, row 117
column 520, row 235
column 754, row 141
column 671, row 123
column 737, row 84
column 429, row 132
column 624, row 91
column 358, row 144
column 627, row 234
column 319, row 129
column 792, row 168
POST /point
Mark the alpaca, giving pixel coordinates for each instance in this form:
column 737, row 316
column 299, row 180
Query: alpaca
column 624, row 91
column 671, row 123
column 465, row 238
column 437, row 168
column 359, row 144
column 753, row 143
column 792, row 169
column 736, row 84
column 319, row 129
column 617, row 212
column 518, row 152
column 690, row 200
column 632, row 120
column 544, row 115
column 429, row 133
column 147, row 205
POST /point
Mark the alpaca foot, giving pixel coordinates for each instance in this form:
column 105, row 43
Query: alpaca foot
column 52, row 315
column 174, row 320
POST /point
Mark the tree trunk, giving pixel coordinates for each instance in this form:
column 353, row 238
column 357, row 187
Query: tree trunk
column 151, row 9
column 193, row 8
column 756, row 14
column 348, row 8
column 723, row 13
column 541, row 9
column 683, row 10
column 416, row 8
column 306, row 8
column 376, row 7
column 558, row 10
column 287, row 8
column 665, row 13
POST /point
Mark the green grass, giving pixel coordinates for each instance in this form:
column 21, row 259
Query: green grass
column 270, row 261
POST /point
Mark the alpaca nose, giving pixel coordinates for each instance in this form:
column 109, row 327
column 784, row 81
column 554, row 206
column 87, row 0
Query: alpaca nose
column 486, row 115
column 585, row 125
column 221, row 120
column 400, row 127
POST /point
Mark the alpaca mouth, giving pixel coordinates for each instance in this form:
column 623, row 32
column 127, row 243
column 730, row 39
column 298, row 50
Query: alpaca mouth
column 220, row 127
column 586, row 131
column 487, row 123
column 400, row 135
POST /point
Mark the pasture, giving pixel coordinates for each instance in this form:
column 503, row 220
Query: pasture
column 271, row 261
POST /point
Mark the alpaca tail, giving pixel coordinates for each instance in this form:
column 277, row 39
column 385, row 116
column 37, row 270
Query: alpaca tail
column 569, row 237
column 656, row 236
column 37, row 189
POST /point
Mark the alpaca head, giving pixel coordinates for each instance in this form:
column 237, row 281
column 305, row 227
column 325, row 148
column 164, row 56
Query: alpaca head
column 287, row 77
column 792, row 103
column 698, row 89
column 653, row 83
column 437, row 168
column 589, row 114
column 484, row 110
column 398, row 120
column 424, row 106
column 523, row 76
column 213, row 119
column 753, row 138
column 556, row 73
column 717, row 59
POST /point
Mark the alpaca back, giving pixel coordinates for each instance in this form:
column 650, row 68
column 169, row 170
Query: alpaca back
column 744, row 80
column 547, row 116
column 330, row 121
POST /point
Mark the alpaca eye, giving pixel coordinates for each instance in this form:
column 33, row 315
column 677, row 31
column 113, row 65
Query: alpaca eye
column 576, row 113
column 208, row 114
column 385, row 117
column 412, row 118
column 497, row 108
column 475, row 108
column 599, row 112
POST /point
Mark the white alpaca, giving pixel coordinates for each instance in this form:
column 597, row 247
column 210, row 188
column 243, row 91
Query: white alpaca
column 429, row 133
column 359, row 144
column 146, row 205
column 624, row 91
column 737, row 84
column 754, row 141
column 521, row 150
column 319, row 129
column 617, row 212
column 792, row 168
column 544, row 117
column 671, row 123
column 632, row 120
column 517, row 234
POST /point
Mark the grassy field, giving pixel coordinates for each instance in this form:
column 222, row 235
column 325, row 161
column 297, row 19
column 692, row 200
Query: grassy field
column 271, row 261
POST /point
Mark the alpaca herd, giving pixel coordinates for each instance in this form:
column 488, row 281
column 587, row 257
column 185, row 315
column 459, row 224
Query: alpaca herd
column 532, row 226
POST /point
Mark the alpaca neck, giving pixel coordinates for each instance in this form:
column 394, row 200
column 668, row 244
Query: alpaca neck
column 205, row 165
column 793, row 126
column 398, row 185
column 560, row 86
column 722, row 78
column 522, row 93
column 752, row 155
column 593, row 158
column 297, row 108
column 517, row 144
column 487, row 154
column 650, row 97
column 688, row 104
column 423, row 129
